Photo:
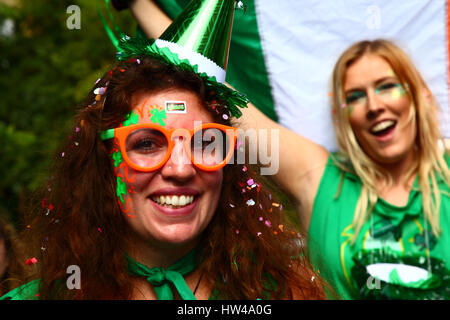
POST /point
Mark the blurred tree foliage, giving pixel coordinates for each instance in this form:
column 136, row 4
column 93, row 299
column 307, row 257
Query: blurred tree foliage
column 46, row 71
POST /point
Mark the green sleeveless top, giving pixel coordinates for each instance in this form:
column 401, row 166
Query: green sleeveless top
column 395, row 256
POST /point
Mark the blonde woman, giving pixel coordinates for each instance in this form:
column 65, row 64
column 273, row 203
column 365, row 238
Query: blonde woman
column 378, row 211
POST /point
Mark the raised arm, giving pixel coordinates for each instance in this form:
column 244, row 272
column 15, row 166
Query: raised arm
column 301, row 161
column 152, row 20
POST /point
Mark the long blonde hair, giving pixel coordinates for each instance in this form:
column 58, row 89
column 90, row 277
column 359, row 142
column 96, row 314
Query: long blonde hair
column 429, row 161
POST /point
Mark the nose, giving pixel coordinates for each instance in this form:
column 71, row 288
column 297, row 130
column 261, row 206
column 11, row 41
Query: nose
column 375, row 105
column 178, row 166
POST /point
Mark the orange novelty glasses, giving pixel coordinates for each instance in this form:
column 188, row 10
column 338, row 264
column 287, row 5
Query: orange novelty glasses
column 147, row 146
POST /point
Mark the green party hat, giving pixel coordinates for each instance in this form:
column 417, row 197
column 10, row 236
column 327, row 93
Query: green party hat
column 202, row 34
column 198, row 40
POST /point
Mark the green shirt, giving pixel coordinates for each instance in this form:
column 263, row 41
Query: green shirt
column 28, row 291
column 393, row 243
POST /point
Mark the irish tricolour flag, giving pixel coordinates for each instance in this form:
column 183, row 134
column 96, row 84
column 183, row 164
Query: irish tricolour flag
column 283, row 51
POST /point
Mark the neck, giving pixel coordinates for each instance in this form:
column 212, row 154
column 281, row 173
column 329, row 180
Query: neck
column 159, row 255
column 398, row 170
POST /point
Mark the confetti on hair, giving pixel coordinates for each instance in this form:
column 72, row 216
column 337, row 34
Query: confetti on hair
column 250, row 202
column 31, row 261
column 268, row 223
column 231, row 205
column 258, row 234
column 225, row 116
column 250, row 182
column 98, row 80
column 281, row 227
column 244, row 168
column 237, row 231
column 77, row 129
column 343, row 105
column 260, row 218
column 274, row 204
column 138, row 61
column 100, row 90
column 99, row 230
column 62, row 155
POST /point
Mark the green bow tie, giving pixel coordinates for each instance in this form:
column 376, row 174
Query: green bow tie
column 161, row 278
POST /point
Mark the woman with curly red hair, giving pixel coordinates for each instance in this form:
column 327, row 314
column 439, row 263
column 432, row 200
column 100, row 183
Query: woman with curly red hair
column 146, row 200
column 126, row 215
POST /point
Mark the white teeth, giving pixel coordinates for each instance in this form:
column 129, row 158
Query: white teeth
column 382, row 126
column 182, row 201
column 174, row 200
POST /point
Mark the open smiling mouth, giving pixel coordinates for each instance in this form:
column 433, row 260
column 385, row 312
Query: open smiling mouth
column 173, row 201
column 383, row 128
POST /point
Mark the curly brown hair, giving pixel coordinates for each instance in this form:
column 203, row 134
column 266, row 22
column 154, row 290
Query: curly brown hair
column 245, row 248
column 13, row 264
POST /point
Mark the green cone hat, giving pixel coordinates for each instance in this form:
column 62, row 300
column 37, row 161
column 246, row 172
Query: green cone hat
column 202, row 34
column 198, row 40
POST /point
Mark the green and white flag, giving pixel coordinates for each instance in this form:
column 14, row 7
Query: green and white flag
column 282, row 52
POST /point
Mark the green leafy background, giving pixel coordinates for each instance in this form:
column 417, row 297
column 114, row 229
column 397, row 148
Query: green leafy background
column 46, row 71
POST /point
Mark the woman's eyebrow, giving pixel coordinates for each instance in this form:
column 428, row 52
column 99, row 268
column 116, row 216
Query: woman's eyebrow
column 376, row 83
column 384, row 79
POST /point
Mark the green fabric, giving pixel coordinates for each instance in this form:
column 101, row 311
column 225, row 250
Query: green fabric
column 28, row 291
column 245, row 54
column 161, row 279
column 398, row 237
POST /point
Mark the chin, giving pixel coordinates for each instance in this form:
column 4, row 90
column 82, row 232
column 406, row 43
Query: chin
column 390, row 156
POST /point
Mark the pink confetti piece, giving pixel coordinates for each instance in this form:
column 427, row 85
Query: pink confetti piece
column 97, row 81
column 260, row 218
column 237, row 231
column 62, row 155
column 250, row 182
column 225, row 117
column 138, row 61
column 244, row 168
column 231, row 205
column 343, row 105
column 77, row 129
column 99, row 230
column 267, row 223
column 31, row 261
